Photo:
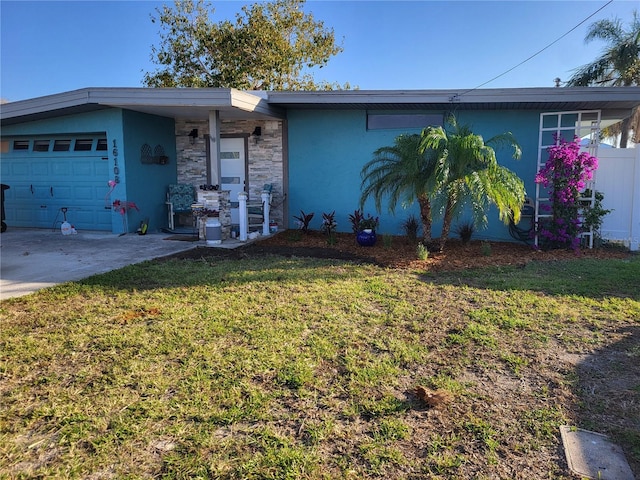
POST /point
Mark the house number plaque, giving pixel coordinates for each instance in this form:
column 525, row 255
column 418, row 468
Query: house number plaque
column 116, row 169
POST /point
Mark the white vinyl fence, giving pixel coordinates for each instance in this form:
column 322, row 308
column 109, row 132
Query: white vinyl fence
column 618, row 178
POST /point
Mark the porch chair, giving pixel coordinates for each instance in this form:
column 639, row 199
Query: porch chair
column 180, row 197
column 255, row 209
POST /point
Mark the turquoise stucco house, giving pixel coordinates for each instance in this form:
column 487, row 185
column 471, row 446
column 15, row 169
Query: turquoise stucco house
column 62, row 150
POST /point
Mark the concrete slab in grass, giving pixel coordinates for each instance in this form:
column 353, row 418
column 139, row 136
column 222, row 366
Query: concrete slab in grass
column 592, row 455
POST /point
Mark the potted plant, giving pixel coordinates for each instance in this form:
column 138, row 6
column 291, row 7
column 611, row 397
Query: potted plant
column 366, row 235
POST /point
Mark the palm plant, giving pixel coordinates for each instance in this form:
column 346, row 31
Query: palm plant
column 401, row 173
column 618, row 66
column 467, row 174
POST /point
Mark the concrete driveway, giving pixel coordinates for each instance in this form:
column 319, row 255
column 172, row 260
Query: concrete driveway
column 31, row 259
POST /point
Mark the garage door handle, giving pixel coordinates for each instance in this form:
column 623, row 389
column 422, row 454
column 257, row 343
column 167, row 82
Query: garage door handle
column 51, row 191
column 31, row 189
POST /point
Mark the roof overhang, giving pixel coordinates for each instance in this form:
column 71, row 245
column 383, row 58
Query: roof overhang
column 185, row 103
column 615, row 102
column 197, row 103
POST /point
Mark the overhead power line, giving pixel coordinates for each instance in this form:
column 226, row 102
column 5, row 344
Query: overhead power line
column 537, row 53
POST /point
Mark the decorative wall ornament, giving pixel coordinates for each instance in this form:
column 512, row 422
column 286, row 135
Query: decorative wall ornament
column 159, row 156
column 146, row 155
column 155, row 156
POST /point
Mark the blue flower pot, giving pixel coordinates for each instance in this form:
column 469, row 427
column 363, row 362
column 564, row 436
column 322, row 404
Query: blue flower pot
column 366, row 238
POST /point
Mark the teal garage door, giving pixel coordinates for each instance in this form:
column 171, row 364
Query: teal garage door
column 47, row 176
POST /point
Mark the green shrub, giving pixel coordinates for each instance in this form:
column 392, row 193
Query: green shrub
column 411, row 227
column 465, row 231
column 422, row 251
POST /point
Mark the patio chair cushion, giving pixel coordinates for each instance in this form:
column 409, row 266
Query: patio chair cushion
column 181, row 196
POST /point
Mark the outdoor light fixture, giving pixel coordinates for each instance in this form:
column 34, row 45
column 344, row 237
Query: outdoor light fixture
column 193, row 134
column 257, row 133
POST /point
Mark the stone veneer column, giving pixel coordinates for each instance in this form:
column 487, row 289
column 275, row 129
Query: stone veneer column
column 218, row 200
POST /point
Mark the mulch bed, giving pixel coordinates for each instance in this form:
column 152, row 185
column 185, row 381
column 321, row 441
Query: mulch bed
column 398, row 252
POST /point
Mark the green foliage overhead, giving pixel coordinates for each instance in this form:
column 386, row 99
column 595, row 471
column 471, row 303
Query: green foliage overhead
column 619, row 63
column 270, row 46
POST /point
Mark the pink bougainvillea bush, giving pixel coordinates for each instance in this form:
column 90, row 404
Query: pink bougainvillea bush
column 565, row 175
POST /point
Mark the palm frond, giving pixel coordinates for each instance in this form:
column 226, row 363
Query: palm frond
column 610, row 30
column 399, row 172
column 468, row 174
column 506, row 140
column 619, row 64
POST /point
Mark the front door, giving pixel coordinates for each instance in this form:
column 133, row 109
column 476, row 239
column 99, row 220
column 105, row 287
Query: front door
column 233, row 171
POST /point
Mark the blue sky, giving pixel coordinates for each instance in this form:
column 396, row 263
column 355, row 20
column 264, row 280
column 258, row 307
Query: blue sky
column 51, row 47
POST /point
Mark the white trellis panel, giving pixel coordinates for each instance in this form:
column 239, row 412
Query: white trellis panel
column 585, row 124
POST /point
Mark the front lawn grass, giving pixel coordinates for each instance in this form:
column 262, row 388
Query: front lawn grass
column 301, row 368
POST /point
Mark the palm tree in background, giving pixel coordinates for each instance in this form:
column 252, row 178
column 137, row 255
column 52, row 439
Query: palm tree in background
column 467, row 174
column 401, row 173
column 618, row 66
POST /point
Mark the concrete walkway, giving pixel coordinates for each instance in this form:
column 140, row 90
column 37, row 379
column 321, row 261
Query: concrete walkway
column 31, row 259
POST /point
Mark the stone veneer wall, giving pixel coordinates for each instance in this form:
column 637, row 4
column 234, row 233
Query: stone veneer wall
column 191, row 159
column 266, row 164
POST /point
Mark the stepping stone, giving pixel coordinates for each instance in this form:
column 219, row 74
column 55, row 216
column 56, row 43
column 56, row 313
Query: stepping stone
column 592, row 455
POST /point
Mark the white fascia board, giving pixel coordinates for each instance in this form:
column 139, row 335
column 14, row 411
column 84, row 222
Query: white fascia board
column 359, row 97
column 42, row 104
column 254, row 102
column 204, row 98
column 209, row 98
column 504, row 95
column 552, row 94
column 164, row 97
column 223, row 99
column 268, row 103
